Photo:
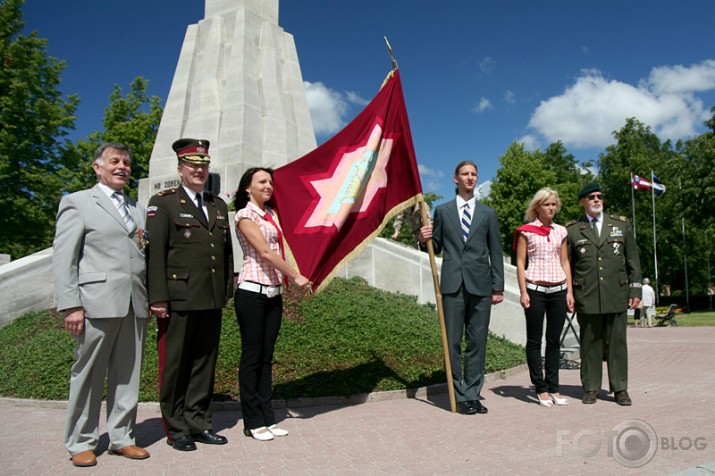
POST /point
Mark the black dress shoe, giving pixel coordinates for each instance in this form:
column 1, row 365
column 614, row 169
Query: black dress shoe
column 477, row 405
column 623, row 399
column 185, row 443
column 466, row 408
column 589, row 397
column 208, row 437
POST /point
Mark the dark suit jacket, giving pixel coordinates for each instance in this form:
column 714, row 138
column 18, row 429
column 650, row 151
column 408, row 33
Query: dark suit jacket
column 190, row 260
column 605, row 269
column 478, row 262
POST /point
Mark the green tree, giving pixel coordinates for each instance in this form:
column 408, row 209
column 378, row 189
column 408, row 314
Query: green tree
column 523, row 173
column 34, row 117
column 132, row 120
column 639, row 151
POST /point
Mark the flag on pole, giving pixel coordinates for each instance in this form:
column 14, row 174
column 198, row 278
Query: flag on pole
column 334, row 200
column 658, row 187
column 640, row 183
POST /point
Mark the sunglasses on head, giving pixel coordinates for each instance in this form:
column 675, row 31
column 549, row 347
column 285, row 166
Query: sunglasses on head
column 594, row 196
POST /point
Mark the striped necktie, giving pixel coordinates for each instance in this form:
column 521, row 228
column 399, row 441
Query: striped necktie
column 124, row 211
column 466, row 221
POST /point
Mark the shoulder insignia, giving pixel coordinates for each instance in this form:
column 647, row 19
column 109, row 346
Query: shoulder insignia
column 166, row 192
column 620, row 218
column 572, row 222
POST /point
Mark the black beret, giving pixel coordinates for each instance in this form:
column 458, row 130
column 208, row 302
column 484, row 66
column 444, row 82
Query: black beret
column 589, row 188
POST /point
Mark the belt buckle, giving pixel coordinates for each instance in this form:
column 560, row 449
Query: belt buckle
column 272, row 291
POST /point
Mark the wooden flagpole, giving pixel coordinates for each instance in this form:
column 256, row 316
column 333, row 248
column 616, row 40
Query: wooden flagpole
column 440, row 311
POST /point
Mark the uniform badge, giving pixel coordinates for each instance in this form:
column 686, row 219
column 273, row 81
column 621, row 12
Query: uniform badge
column 142, row 239
column 615, row 231
column 185, row 215
column 582, row 250
column 187, row 234
column 617, row 248
column 151, row 211
column 219, row 216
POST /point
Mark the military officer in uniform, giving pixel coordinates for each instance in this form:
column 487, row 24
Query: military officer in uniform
column 190, row 279
column 606, row 283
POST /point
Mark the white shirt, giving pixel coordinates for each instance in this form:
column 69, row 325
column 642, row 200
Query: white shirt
column 599, row 222
column 192, row 194
column 648, row 299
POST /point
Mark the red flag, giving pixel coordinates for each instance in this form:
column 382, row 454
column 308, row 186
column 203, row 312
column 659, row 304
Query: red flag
column 639, row 183
column 334, row 200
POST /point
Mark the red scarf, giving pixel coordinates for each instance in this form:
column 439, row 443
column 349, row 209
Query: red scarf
column 270, row 220
column 539, row 230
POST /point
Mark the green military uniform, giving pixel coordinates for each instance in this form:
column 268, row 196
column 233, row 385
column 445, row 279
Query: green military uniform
column 606, row 272
column 190, row 265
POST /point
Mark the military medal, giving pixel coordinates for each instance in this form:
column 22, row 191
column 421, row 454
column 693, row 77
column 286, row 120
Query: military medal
column 187, row 234
column 582, row 250
column 617, row 248
column 142, row 238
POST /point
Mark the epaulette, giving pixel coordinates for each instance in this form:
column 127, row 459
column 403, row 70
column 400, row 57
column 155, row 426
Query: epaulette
column 620, row 218
column 170, row 191
column 572, row 222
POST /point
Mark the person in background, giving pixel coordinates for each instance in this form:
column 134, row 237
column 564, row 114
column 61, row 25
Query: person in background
column 190, row 265
column 100, row 283
column 647, row 303
column 258, row 300
column 545, row 287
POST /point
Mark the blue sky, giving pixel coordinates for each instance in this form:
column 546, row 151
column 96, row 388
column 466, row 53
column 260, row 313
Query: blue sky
column 477, row 75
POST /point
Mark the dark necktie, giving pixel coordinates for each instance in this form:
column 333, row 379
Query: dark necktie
column 466, row 221
column 200, row 204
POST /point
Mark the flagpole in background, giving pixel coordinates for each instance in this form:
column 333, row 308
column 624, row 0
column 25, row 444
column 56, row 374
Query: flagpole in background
column 685, row 256
column 440, row 311
column 633, row 206
column 655, row 250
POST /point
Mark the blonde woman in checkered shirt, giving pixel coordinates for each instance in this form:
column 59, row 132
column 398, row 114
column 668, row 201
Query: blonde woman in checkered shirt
column 258, row 301
column 544, row 276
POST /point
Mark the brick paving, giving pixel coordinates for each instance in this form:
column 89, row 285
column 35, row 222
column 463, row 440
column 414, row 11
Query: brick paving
column 672, row 387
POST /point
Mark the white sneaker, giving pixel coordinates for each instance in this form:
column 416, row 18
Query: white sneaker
column 275, row 431
column 261, row 434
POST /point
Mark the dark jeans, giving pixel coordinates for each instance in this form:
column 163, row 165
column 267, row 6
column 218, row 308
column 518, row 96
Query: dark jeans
column 259, row 319
column 554, row 305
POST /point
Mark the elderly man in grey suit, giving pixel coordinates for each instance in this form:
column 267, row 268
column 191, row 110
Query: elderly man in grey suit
column 100, row 285
column 472, row 279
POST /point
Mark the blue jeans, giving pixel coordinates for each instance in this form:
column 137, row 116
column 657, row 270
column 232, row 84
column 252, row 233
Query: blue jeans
column 554, row 305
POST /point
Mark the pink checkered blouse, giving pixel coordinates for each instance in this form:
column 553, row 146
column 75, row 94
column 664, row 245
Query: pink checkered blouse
column 544, row 253
column 255, row 268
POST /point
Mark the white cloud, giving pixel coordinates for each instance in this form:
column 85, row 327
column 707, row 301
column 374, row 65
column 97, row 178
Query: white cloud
column 484, row 189
column 589, row 110
column 509, row 97
column 428, row 172
column 530, row 142
column 328, row 108
column 483, row 105
column 487, row 65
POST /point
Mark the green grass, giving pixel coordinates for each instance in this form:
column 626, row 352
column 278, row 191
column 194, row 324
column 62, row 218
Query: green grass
column 696, row 318
column 349, row 339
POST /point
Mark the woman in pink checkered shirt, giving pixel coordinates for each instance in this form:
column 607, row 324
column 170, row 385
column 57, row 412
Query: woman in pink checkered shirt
column 544, row 276
column 258, row 301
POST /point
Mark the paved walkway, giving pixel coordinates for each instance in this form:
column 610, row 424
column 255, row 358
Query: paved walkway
column 672, row 386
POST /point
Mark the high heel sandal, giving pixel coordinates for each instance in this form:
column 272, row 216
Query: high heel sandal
column 558, row 400
column 544, row 403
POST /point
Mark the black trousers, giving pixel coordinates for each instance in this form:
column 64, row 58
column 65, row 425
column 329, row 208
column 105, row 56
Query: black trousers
column 259, row 319
column 188, row 350
column 554, row 305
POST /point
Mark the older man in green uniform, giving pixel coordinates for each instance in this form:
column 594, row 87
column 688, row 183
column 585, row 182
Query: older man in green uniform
column 606, row 276
column 190, row 279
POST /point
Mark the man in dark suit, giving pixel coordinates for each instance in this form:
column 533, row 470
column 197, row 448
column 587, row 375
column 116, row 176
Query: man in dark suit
column 472, row 279
column 190, row 263
column 606, row 275
column 100, row 273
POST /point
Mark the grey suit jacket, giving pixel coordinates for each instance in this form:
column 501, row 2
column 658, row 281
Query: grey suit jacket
column 97, row 264
column 478, row 262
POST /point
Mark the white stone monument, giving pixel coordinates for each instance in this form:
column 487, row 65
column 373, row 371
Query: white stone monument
column 238, row 84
